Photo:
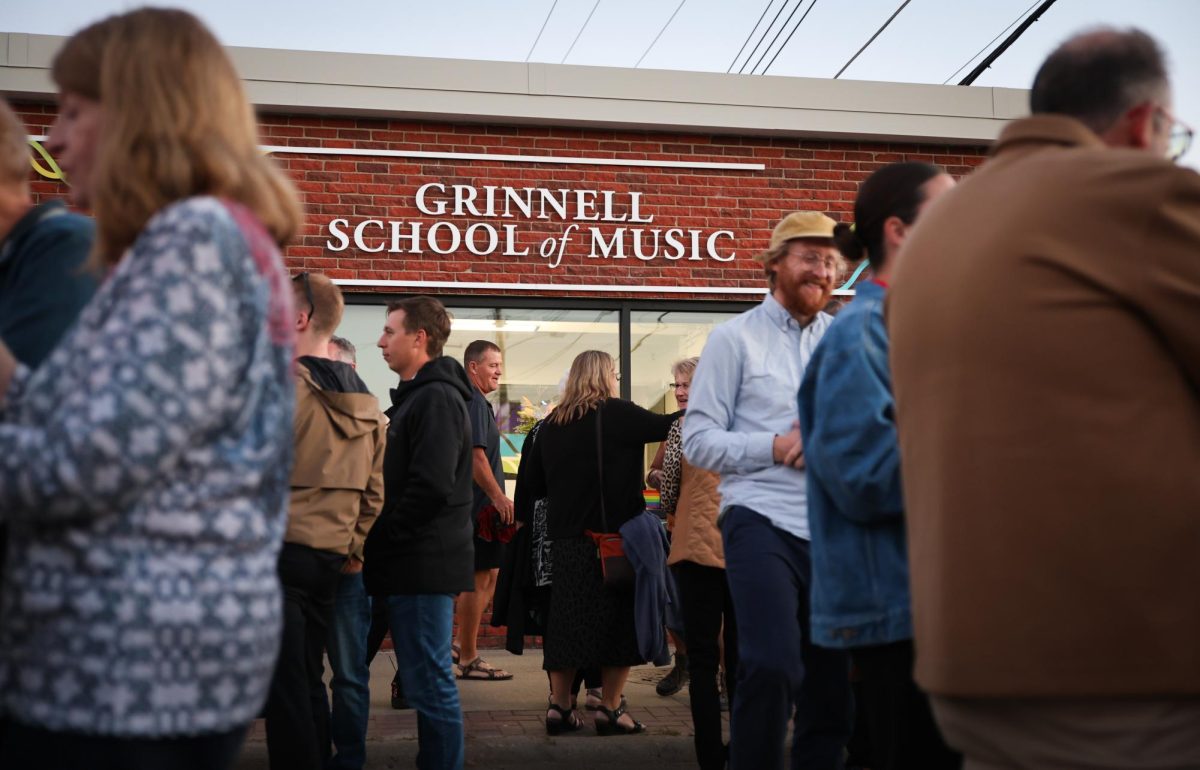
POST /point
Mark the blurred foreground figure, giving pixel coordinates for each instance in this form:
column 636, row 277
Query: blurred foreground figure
column 43, row 248
column 144, row 466
column 860, row 599
column 1045, row 326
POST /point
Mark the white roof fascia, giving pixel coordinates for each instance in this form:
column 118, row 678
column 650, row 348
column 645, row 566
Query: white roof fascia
column 457, row 90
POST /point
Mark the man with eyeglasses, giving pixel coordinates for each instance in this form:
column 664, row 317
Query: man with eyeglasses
column 1045, row 350
column 742, row 423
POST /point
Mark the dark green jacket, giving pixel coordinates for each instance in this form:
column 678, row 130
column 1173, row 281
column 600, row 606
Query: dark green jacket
column 43, row 282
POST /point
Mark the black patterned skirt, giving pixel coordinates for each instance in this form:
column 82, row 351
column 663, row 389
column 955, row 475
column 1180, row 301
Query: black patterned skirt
column 589, row 625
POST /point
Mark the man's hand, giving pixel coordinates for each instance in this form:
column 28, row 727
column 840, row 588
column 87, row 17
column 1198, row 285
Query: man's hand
column 505, row 508
column 352, row 566
column 789, row 450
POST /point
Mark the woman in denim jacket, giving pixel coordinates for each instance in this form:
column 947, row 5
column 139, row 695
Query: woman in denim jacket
column 144, row 466
column 860, row 597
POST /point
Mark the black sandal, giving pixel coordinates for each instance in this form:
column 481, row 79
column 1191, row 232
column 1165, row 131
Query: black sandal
column 595, row 692
column 614, row 727
column 574, row 702
column 568, row 721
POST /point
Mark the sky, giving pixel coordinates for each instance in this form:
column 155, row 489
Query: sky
column 926, row 43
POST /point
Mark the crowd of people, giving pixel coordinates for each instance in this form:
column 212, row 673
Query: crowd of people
column 955, row 524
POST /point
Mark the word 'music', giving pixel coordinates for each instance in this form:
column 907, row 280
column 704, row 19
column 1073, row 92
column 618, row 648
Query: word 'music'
column 630, row 238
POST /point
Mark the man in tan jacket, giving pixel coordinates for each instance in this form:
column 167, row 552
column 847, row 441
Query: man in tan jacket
column 337, row 492
column 1045, row 326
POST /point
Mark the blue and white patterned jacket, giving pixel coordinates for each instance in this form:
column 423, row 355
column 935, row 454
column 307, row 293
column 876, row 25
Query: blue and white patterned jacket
column 144, row 473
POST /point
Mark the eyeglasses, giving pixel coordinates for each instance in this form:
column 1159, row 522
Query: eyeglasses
column 681, row 385
column 308, row 295
column 812, row 259
column 1179, row 137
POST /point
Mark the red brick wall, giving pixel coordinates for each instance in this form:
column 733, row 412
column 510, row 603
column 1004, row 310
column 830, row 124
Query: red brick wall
column 798, row 174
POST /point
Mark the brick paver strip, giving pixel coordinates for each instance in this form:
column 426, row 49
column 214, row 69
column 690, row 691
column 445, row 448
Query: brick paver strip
column 663, row 720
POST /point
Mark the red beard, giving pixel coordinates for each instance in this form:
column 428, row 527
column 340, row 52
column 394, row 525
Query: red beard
column 804, row 299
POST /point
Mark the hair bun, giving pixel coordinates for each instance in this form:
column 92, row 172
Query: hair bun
column 846, row 238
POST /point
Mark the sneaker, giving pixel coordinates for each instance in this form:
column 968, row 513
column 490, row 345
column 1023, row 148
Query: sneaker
column 399, row 702
column 675, row 679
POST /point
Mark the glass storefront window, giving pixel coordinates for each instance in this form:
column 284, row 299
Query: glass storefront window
column 538, row 347
column 657, row 340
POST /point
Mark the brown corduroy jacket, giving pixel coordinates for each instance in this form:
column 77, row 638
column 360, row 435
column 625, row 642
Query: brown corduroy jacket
column 337, row 478
column 1045, row 346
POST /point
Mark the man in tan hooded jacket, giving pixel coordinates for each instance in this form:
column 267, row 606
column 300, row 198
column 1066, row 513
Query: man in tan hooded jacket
column 337, row 492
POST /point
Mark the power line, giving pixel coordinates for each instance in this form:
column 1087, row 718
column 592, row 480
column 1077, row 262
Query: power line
column 752, row 31
column 767, row 31
column 779, row 32
column 878, row 32
column 540, row 31
column 990, row 42
column 788, row 39
column 1008, row 41
column 579, row 33
column 660, row 32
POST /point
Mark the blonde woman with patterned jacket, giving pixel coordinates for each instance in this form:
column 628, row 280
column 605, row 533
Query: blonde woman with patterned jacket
column 144, row 466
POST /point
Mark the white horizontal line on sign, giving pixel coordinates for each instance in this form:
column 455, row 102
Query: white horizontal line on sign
column 280, row 149
column 564, row 287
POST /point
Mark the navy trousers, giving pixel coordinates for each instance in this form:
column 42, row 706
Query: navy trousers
column 779, row 669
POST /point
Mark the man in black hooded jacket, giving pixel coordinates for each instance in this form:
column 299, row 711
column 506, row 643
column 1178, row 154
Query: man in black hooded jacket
column 420, row 553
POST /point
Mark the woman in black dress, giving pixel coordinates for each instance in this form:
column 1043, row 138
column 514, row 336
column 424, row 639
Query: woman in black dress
column 589, row 625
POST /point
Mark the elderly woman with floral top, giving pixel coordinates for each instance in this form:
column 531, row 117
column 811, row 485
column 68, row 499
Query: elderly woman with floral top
column 698, row 558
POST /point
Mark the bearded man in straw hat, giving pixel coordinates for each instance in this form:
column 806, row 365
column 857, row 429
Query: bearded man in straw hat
column 742, row 424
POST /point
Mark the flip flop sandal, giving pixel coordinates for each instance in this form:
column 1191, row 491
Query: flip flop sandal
column 612, row 726
column 480, row 670
column 455, row 653
column 568, row 721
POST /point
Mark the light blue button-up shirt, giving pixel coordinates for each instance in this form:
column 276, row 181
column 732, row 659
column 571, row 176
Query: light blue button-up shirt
column 743, row 395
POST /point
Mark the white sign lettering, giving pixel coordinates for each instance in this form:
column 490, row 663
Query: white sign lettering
column 630, row 240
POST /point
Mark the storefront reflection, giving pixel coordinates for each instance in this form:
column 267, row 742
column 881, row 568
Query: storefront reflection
column 538, row 346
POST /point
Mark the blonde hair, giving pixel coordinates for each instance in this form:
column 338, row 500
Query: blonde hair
column 14, row 148
column 686, row 366
column 588, row 383
column 176, row 124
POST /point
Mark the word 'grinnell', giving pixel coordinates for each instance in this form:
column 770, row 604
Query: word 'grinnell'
column 531, row 203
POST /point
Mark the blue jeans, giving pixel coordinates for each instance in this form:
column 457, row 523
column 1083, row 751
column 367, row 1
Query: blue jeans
column 769, row 574
column 347, row 647
column 421, row 627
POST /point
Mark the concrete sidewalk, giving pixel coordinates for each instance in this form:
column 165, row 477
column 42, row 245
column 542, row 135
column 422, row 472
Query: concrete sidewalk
column 505, row 729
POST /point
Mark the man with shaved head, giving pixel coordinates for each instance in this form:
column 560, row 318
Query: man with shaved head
column 1045, row 328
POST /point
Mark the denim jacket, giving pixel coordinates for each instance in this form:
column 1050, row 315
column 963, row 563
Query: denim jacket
column 860, row 591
